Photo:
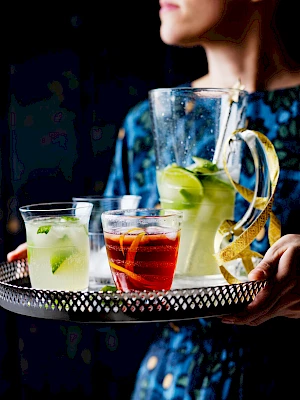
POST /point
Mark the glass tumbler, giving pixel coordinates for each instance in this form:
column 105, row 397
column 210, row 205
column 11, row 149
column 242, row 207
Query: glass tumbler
column 58, row 245
column 99, row 270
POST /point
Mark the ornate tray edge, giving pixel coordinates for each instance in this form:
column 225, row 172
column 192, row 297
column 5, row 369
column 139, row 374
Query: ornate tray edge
column 120, row 307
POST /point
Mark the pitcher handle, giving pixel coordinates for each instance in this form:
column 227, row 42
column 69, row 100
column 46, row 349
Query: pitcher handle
column 261, row 199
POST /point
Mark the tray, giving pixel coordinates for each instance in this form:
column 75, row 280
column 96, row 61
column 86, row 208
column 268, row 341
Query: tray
column 16, row 295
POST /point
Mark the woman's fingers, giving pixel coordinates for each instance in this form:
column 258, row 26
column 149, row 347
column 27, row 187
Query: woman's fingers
column 281, row 297
column 285, row 251
column 273, row 301
column 19, row 253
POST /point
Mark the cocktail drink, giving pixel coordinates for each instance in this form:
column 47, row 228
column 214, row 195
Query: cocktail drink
column 99, row 269
column 58, row 245
column 134, row 267
column 142, row 247
column 193, row 135
column 207, row 198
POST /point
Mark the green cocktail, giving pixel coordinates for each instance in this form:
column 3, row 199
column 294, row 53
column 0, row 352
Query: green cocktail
column 58, row 246
column 207, row 198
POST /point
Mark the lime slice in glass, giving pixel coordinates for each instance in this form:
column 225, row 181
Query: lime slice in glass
column 57, row 259
column 179, row 188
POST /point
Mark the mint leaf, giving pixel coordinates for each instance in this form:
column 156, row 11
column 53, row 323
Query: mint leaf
column 44, row 229
column 67, row 218
column 109, row 289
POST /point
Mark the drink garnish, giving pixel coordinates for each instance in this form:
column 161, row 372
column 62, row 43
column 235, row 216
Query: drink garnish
column 44, row 229
column 131, row 274
column 57, row 259
column 122, row 237
column 28, row 254
column 68, row 218
column 181, row 186
column 109, row 288
column 205, row 170
column 130, row 257
column 131, row 253
column 203, row 166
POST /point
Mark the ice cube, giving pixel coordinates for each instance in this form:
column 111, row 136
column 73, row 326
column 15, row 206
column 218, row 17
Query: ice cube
column 171, row 235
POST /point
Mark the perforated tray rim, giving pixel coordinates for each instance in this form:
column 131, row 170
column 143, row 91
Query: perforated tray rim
column 17, row 296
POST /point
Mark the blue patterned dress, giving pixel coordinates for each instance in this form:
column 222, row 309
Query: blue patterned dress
column 205, row 359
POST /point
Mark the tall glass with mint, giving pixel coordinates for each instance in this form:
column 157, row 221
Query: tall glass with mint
column 58, row 245
column 190, row 128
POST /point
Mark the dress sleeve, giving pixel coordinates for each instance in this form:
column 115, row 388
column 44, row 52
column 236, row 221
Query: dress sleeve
column 133, row 170
column 116, row 183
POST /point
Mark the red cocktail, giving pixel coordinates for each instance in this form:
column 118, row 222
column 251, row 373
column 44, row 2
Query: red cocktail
column 143, row 258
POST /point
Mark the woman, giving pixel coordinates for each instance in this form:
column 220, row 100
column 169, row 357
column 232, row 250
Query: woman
column 207, row 359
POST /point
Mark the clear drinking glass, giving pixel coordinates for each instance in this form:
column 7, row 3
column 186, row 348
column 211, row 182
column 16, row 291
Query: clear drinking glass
column 142, row 247
column 58, row 245
column 99, row 270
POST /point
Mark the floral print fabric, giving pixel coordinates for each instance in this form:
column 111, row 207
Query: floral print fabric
column 205, row 359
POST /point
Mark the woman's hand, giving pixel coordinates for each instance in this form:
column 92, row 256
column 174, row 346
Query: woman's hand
column 281, row 297
column 19, row 253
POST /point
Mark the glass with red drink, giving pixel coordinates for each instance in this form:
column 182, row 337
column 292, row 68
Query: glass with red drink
column 142, row 247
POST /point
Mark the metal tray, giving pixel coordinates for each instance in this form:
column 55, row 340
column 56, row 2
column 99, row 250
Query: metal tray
column 16, row 295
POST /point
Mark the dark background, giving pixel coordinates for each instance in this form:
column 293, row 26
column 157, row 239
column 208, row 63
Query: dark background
column 68, row 77
column 114, row 51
